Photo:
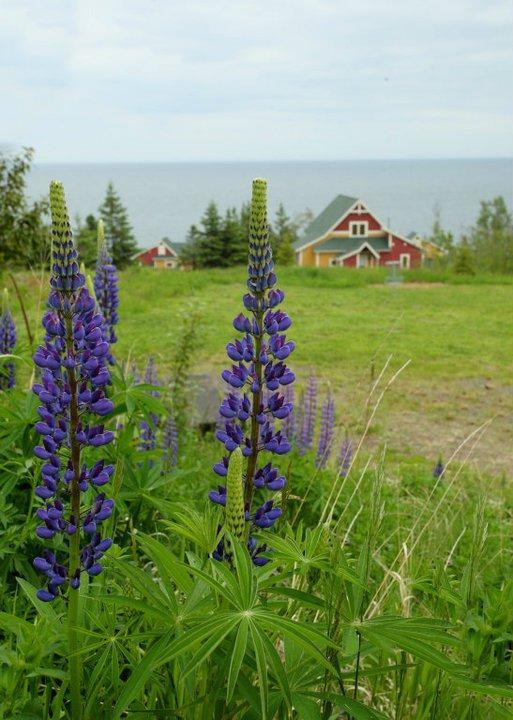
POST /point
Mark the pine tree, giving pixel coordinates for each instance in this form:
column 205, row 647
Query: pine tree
column 86, row 239
column 235, row 239
column 118, row 231
column 464, row 259
column 210, row 245
column 189, row 253
column 284, row 234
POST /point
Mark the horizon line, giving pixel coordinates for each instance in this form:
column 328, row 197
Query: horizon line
column 269, row 160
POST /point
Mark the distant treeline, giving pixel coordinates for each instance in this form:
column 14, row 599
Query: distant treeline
column 217, row 240
column 222, row 240
column 24, row 225
column 486, row 247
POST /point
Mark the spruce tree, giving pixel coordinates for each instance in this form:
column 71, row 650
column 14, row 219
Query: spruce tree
column 235, row 239
column 464, row 259
column 118, row 231
column 210, row 245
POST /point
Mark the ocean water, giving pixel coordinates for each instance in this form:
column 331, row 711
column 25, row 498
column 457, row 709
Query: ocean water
column 164, row 199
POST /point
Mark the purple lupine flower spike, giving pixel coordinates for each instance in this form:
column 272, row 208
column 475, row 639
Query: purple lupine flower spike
column 309, row 416
column 72, row 392
column 170, row 442
column 345, row 457
column 106, row 288
column 148, row 428
column 7, row 343
column 259, row 399
column 439, row 468
column 327, row 431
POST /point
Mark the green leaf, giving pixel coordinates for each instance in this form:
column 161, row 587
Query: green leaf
column 261, row 669
column 239, row 650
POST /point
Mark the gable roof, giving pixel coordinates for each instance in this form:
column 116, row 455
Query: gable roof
column 346, row 245
column 328, row 217
column 175, row 247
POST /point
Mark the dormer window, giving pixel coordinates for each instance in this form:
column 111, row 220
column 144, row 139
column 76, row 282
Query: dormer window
column 359, row 229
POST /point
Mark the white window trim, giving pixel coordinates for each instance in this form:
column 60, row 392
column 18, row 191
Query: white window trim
column 408, row 258
column 358, row 223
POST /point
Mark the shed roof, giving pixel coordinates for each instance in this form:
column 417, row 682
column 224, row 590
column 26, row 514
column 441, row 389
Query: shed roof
column 328, row 217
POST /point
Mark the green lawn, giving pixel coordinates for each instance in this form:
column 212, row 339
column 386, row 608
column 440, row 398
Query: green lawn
column 457, row 338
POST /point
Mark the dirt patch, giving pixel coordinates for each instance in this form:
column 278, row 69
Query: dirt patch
column 470, row 417
column 410, row 285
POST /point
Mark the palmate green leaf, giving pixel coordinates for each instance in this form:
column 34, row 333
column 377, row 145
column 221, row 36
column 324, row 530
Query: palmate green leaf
column 306, row 708
column 309, row 639
column 170, row 569
column 139, row 605
column 356, row 709
column 209, row 645
column 245, row 573
column 275, row 664
column 429, row 629
column 143, row 582
column 43, row 608
column 168, row 648
column 233, row 597
column 261, row 664
column 239, row 650
column 303, row 598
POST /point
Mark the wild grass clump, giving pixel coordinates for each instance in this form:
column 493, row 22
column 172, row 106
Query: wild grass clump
column 383, row 589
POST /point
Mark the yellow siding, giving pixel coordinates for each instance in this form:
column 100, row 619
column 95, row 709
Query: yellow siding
column 324, row 258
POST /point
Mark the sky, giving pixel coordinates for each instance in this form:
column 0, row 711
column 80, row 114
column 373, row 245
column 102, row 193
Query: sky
column 180, row 80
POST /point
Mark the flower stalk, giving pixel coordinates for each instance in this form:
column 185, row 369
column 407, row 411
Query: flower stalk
column 257, row 380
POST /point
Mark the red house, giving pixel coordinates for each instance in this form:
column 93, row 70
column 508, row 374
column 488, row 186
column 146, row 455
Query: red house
column 348, row 234
column 163, row 256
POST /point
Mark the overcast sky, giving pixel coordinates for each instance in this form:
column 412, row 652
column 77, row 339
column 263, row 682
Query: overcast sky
column 148, row 80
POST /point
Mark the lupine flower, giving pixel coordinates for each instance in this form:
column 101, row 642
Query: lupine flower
column 106, row 287
column 72, row 391
column 345, row 457
column 7, row 343
column 170, row 442
column 234, row 503
column 289, row 422
column 439, row 468
column 309, row 416
column 257, row 379
column 326, row 432
column 148, row 428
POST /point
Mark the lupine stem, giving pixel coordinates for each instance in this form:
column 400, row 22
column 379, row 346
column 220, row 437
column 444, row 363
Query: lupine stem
column 75, row 662
column 255, row 427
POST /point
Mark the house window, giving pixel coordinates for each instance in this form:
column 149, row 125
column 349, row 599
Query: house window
column 161, row 249
column 333, row 262
column 359, row 229
column 404, row 260
column 170, row 263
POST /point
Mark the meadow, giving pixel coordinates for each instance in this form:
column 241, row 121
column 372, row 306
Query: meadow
column 384, row 588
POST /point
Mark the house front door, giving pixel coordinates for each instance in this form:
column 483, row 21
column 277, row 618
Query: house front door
column 365, row 259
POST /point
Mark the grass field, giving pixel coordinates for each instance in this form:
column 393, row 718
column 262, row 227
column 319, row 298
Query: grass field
column 407, row 574
column 455, row 333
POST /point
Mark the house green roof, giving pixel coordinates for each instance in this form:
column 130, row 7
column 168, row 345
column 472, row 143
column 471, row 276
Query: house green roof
column 323, row 222
column 344, row 245
column 174, row 246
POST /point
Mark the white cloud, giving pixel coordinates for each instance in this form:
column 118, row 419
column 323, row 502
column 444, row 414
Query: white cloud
column 163, row 79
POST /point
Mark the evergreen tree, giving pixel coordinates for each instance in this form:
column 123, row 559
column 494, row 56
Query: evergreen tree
column 85, row 234
column 210, row 245
column 285, row 233
column 24, row 234
column 118, row 231
column 235, row 239
column 464, row 262
column 189, row 253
